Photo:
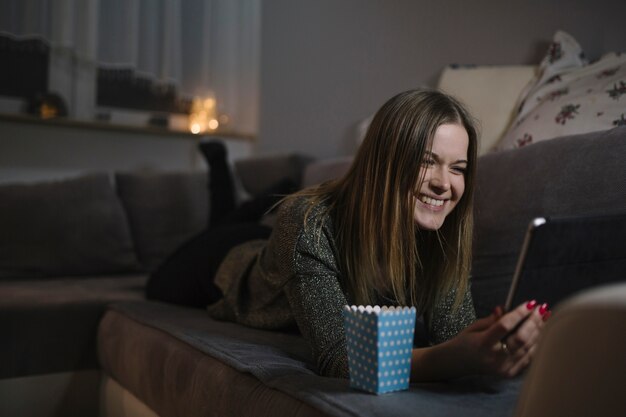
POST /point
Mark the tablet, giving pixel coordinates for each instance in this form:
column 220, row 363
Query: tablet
column 562, row 256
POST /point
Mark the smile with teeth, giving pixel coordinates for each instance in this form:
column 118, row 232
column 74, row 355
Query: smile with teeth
column 431, row 201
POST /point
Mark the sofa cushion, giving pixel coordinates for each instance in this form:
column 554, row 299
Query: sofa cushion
column 179, row 361
column 60, row 228
column 174, row 378
column 164, row 209
column 569, row 97
column 572, row 176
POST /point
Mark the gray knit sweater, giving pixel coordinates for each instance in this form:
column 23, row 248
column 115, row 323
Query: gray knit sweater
column 295, row 276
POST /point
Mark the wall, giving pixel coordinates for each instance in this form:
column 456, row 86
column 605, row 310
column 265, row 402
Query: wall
column 327, row 64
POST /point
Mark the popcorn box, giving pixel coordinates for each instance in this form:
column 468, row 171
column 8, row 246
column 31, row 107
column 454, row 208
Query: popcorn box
column 379, row 341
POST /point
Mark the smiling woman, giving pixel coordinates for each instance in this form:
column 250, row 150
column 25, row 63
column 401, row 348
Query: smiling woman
column 442, row 176
column 390, row 246
column 395, row 230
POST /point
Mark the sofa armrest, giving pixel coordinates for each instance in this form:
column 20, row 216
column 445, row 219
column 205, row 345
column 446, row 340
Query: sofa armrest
column 580, row 366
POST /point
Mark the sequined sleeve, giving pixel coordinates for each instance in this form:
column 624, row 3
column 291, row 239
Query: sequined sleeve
column 316, row 299
column 445, row 322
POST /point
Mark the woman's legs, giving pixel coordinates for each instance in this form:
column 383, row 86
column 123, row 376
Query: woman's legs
column 186, row 276
column 222, row 191
column 221, row 185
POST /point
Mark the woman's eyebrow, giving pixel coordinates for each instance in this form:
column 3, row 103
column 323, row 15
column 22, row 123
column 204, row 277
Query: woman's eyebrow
column 436, row 157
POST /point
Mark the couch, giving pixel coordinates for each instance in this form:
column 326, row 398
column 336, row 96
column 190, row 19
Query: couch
column 80, row 337
column 69, row 247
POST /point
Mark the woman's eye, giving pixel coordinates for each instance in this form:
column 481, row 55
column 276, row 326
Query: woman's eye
column 428, row 162
column 459, row 170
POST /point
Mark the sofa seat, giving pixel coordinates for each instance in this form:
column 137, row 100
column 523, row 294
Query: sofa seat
column 49, row 325
column 179, row 361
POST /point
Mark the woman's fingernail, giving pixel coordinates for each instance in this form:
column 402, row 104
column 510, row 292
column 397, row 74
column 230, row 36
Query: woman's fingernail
column 543, row 309
column 546, row 316
column 531, row 304
column 497, row 311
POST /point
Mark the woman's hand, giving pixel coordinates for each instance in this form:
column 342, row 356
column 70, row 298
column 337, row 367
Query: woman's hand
column 503, row 344
column 500, row 344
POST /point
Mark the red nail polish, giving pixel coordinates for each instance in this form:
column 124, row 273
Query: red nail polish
column 546, row 316
column 543, row 309
column 531, row 304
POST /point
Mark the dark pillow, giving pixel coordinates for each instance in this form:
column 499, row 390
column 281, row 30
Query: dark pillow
column 61, row 228
column 164, row 209
column 258, row 174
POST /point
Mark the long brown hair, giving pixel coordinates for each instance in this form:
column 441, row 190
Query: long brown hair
column 382, row 252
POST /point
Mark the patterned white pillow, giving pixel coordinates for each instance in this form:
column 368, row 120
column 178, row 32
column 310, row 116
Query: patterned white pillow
column 568, row 96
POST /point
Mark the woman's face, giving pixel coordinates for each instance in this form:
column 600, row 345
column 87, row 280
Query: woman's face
column 443, row 172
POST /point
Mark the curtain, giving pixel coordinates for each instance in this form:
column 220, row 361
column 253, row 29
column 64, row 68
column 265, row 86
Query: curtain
column 203, row 47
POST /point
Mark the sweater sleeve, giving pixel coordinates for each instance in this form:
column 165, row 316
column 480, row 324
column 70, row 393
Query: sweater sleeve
column 316, row 301
column 446, row 322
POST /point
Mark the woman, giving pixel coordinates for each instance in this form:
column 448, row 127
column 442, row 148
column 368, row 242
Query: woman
column 395, row 230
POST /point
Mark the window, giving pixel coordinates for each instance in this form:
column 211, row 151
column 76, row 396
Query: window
column 106, row 58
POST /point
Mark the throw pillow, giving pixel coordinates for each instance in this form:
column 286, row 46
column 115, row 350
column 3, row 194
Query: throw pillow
column 62, row 228
column 260, row 173
column 164, row 210
column 568, row 96
column 493, row 111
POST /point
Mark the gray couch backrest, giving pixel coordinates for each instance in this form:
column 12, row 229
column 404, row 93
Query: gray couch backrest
column 97, row 224
column 569, row 176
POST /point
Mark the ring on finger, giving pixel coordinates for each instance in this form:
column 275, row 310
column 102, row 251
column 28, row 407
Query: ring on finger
column 505, row 348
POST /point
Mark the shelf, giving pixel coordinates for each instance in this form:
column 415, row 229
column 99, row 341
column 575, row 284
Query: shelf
column 95, row 125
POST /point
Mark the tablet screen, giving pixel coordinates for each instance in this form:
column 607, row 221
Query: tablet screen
column 562, row 256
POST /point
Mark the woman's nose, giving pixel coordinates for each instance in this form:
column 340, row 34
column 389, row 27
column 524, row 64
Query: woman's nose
column 440, row 179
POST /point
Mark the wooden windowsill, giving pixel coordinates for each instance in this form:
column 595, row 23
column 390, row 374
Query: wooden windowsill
column 82, row 124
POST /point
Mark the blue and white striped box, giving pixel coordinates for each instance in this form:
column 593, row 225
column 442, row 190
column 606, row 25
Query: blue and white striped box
column 379, row 342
